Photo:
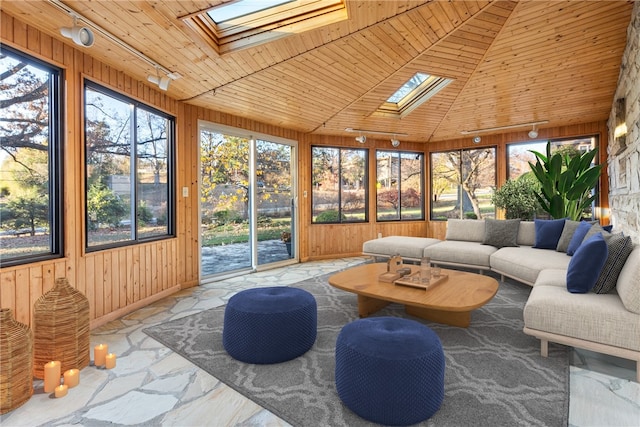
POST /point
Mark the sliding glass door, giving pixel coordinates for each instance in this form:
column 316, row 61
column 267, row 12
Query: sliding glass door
column 247, row 205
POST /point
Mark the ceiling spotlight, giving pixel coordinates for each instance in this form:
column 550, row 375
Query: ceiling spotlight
column 477, row 139
column 162, row 82
column 533, row 133
column 395, row 142
column 361, row 139
column 82, row 36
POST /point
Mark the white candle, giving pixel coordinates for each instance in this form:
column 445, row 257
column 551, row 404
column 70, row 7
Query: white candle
column 99, row 354
column 61, row 391
column 71, row 378
column 110, row 361
column 51, row 376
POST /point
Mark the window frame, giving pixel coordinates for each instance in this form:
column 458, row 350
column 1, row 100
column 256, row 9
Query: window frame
column 365, row 185
column 459, row 151
column 422, row 185
column 171, row 170
column 56, row 132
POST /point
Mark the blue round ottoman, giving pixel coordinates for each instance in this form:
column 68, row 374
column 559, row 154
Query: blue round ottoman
column 269, row 325
column 390, row 370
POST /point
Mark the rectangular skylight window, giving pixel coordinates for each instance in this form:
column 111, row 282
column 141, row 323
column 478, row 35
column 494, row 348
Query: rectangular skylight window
column 418, row 89
column 406, row 88
column 241, row 24
column 241, row 8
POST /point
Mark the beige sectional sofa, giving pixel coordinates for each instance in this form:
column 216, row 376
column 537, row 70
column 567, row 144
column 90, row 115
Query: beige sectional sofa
column 607, row 323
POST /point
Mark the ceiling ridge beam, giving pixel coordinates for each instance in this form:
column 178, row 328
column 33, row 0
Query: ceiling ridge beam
column 504, row 25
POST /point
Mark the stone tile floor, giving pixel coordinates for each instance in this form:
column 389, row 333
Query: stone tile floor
column 152, row 386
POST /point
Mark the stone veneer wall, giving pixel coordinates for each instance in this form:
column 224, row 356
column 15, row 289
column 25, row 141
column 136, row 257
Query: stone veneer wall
column 624, row 153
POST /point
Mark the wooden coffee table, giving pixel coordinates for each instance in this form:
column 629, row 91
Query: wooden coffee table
column 449, row 302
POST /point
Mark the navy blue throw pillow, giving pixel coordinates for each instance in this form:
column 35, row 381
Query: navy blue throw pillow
column 548, row 232
column 578, row 236
column 586, row 264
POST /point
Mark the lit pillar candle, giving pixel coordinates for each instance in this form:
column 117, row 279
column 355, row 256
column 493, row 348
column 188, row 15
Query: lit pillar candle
column 61, row 391
column 110, row 361
column 51, row 376
column 71, row 378
column 99, row 354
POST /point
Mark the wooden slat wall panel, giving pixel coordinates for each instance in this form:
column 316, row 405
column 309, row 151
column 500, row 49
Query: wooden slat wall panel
column 109, row 278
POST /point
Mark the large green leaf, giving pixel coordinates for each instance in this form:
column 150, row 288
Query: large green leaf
column 556, row 207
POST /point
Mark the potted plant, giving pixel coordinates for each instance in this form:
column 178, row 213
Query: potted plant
column 566, row 182
column 285, row 236
column 518, row 198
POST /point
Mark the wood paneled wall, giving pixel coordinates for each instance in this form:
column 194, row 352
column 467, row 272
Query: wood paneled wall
column 121, row 280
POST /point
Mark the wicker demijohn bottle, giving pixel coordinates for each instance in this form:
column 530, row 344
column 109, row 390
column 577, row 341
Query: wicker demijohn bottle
column 61, row 328
column 16, row 362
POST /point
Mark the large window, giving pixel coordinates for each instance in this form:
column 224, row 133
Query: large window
column 339, row 178
column 129, row 170
column 519, row 154
column 462, row 183
column 30, row 159
column 399, row 182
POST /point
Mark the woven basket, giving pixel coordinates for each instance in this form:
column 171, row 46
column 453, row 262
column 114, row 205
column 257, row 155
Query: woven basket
column 16, row 362
column 61, row 328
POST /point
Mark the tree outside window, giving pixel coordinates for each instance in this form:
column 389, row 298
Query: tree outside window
column 462, row 183
column 339, row 182
column 129, row 164
column 399, row 182
column 30, row 181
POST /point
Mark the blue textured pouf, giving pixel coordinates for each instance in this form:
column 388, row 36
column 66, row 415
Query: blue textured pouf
column 390, row 370
column 269, row 325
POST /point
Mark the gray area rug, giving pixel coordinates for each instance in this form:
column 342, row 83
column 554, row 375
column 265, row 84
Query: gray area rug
column 494, row 376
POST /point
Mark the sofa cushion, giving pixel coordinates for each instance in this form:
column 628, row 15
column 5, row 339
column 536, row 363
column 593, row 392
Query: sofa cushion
column 405, row 246
column 460, row 253
column 595, row 229
column 567, row 233
column 526, row 233
column 525, row 263
column 501, row 233
column 619, row 247
column 628, row 285
column 548, row 232
column 469, row 230
column 592, row 317
column 586, row 264
column 578, row 236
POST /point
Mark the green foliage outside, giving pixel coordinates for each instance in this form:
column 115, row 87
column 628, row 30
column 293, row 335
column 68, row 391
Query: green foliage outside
column 105, row 206
column 518, row 198
column 28, row 209
column 329, row 216
column 567, row 183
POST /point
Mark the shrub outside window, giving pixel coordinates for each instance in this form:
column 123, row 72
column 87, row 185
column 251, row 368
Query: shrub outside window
column 129, row 170
column 399, row 183
column 30, row 159
column 339, row 179
column 462, row 183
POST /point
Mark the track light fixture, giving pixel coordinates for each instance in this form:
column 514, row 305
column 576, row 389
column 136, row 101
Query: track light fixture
column 82, row 36
column 395, row 142
column 533, row 133
column 361, row 139
column 477, row 139
column 162, row 82
column 497, row 128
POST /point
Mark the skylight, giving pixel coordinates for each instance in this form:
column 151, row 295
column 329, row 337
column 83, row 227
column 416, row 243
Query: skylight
column 245, row 23
column 418, row 89
column 241, row 8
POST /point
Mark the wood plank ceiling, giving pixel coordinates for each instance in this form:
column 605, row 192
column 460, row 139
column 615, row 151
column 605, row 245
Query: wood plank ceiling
column 512, row 62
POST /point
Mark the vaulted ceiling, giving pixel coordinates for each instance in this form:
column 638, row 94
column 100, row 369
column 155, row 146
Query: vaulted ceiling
column 511, row 62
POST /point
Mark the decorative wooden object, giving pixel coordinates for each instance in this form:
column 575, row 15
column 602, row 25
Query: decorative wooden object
column 61, row 328
column 16, row 362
